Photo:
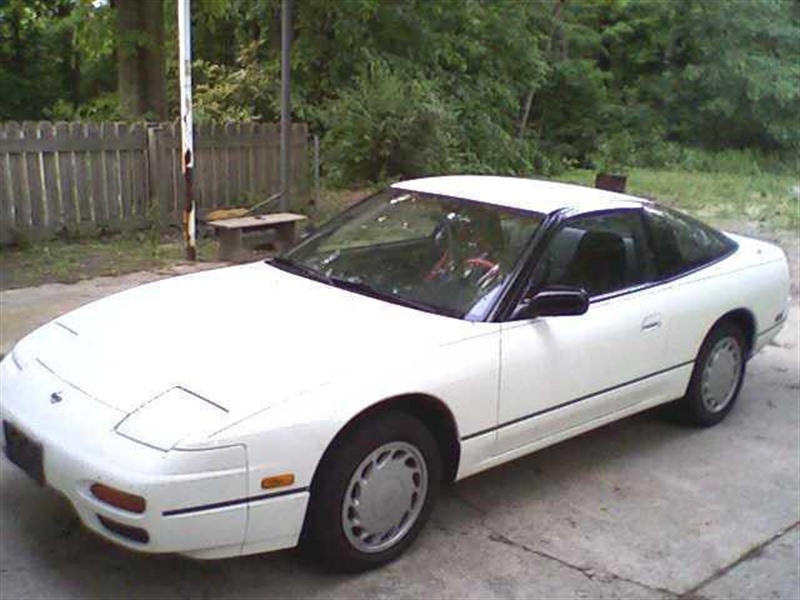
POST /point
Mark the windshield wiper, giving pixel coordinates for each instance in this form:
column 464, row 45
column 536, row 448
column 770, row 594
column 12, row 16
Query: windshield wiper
column 298, row 268
column 366, row 289
column 358, row 287
column 354, row 286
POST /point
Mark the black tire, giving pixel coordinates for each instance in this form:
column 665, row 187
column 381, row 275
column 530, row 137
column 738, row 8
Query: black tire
column 693, row 409
column 323, row 534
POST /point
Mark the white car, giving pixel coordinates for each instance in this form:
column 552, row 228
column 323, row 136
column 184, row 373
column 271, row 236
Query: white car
column 437, row 329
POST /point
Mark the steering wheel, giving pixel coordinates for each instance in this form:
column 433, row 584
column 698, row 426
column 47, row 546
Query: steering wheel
column 453, row 256
column 491, row 269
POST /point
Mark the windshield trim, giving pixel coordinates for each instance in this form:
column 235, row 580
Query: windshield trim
column 491, row 310
column 289, row 266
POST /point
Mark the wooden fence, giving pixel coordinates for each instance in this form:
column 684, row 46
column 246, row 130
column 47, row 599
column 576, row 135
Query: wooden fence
column 86, row 177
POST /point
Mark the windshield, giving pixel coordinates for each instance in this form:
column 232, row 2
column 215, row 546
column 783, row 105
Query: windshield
column 445, row 255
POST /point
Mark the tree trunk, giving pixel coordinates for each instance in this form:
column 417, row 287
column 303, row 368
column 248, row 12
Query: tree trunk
column 153, row 59
column 70, row 58
column 140, row 58
column 529, row 97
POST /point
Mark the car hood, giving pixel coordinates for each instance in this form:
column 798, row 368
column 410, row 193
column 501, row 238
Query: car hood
column 242, row 337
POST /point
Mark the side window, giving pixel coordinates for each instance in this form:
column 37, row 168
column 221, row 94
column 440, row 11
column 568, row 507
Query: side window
column 680, row 243
column 601, row 254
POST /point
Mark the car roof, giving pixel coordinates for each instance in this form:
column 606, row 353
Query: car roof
column 524, row 194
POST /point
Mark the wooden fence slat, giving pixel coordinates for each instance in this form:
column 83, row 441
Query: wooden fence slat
column 155, row 201
column 168, row 170
column 241, row 159
column 108, row 131
column 210, row 198
column 168, row 151
column 217, row 184
column 97, row 179
column 300, row 176
column 22, row 213
column 200, row 177
column 160, row 173
column 177, row 173
column 6, row 194
column 234, row 191
column 138, row 174
column 69, row 210
column 33, row 174
column 54, row 219
column 83, row 189
column 244, row 166
column 255, row 167
column 244, row 161
column 125, row 175
column 275, row 159
column 221, row 171
column 256, row 173
column 207, row 164
column 263, row 160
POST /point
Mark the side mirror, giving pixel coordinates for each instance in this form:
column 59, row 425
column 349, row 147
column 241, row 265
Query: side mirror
column 554, row 301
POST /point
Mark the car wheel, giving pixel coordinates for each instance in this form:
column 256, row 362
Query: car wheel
column 717, row 377
column 373, row 492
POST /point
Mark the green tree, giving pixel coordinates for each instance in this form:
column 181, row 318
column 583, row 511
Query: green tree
column 735, row 79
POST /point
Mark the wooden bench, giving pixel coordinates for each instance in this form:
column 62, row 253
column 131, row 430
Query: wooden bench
column 231, row 232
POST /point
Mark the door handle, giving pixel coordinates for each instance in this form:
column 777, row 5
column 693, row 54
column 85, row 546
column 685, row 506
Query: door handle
column 651, row 322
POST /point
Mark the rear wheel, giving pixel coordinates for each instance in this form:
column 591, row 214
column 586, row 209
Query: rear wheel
column 717, row 377
column 373, row 493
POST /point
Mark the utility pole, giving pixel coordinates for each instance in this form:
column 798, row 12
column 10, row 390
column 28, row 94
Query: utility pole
column 286, row 104
column 187, row 129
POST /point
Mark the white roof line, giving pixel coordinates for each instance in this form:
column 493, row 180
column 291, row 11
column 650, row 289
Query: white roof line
column 525, row 194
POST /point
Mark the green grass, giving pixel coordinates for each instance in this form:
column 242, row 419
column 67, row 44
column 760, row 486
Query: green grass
column 764, row 198
column 68, row 261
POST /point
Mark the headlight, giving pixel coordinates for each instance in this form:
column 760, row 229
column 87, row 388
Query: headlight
column 171, row 417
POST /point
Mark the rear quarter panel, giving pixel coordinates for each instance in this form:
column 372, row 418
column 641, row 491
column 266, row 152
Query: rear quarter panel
column 754, row 278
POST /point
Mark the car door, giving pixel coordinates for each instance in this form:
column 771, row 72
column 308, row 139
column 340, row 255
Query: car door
column 562, row 372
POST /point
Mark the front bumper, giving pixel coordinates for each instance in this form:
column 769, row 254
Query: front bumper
column 198, row 502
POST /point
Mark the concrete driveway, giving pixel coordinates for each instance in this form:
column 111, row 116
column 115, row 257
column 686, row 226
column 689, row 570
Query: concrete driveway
column 639, row 509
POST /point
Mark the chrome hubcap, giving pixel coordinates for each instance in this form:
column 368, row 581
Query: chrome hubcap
column 384, row 497
column 721, row 374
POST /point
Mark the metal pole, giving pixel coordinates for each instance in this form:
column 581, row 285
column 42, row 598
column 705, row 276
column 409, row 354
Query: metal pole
column 286, row 103
column 187, row 131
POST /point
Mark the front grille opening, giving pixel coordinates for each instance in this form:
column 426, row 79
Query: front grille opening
column 135, row 534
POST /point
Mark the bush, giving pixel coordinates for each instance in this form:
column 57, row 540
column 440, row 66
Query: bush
column 387, row 126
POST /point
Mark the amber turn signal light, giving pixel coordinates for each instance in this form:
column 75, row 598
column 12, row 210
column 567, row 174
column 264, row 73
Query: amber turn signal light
column 118, row 499
column 277, row 481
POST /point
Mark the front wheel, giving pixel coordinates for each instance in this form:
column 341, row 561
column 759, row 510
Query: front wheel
column 374, row 491
column 717, row 377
